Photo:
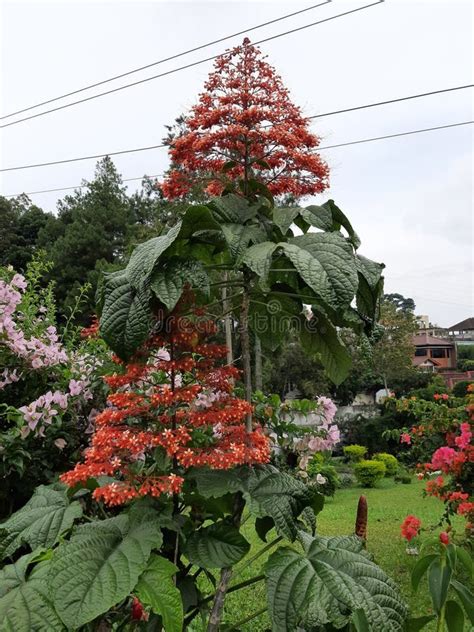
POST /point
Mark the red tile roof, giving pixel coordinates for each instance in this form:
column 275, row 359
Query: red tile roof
column 422, row 340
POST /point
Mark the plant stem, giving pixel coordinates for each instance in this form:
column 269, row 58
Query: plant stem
column 257, row 555
column 249, row 618
column 245, row 345
column 226, row 574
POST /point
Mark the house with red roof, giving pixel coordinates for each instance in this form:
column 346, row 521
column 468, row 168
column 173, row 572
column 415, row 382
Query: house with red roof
column 433, row 354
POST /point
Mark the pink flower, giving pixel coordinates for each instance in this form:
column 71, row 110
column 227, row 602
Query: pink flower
column 465, row 437
column 443, row 459
column 75, row 387
column 405, row 438
column 60, row 443
column 19, row 282
column 410, row 527
column 444, row 538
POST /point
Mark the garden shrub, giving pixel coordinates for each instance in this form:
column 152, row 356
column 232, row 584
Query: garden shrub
column 368, row 473
column 346, row 479
column 355, row 452
column 460, row 388
column 403, row 476
column 391, row 462
column 318, row 471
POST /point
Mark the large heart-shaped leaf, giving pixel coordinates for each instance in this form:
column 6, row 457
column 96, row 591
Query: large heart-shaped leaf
column 157, row 589
column 233, row 209
column 281, row 497
column 217, row 546
column 168, row 281
column 239, row 237
column 259, row 259
column 284, row 216
column 100, row 566
column 329, row 582
column 325, row 262
column 125, row 319
column 270, row 493
column 40, row 522
column 319, row 336
column 145, row 256
column 25, row 605
column 370, row 288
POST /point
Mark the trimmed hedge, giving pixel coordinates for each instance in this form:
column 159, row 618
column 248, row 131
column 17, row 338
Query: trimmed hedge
column 354, row 452
column 391, row 462
column 369, row 473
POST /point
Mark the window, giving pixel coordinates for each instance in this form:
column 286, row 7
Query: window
column 438, row 353
column 421, row 352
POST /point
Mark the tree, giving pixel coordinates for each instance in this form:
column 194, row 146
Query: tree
column 393, row 353
column 94, row 227
column 245, row 126
column 20, row 225
column 400, row 302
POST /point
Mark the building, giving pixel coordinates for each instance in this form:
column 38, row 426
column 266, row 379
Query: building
column 433, row 354
column 463, row 332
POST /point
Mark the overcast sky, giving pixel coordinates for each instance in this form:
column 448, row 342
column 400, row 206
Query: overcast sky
column 410, row 198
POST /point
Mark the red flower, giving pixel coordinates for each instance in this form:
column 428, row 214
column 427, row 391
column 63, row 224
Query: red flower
column 444, row 538
column 138, row 611
column 246, row 121
column 191, row 414
column 410, row 527
column 405, row 438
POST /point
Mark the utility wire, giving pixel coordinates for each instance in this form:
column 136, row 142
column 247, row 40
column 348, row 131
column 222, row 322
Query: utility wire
column 190, row 65
column 353, row 142
column 162, row 61
column 138, row 149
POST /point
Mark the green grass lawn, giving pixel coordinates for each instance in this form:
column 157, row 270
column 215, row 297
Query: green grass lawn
column 388, row 505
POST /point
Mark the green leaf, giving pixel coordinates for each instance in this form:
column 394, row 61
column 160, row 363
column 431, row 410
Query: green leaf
column 328, row 583
column 25, row 605
column 168, row 281
column 370, row 289
column 272, row 316
column 466, row 597
column 216, row 483
column 325, row 262
column 284, row 217
column 233, row 209
column 197, row 218
column 454, row 616
column 156, row 589
column 420, row 569
column 217, row 546
column 279, row 496
column 451, row 556
column 259, row 259
column 40, row 522
column 100, row 565
column 418, row 623
column 360, row 621
column 340, row 219
column 319, row 336
column 146, row 255
column 318, row 216
column 125, row 319
column 465, row 559
column 439, row 577
column 239, row 237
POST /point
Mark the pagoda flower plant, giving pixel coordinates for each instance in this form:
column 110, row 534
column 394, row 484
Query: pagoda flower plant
column 177, row 460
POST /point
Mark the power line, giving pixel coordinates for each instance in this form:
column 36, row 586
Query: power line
column 190, row 65
column 138, row 149
column 79, row 186
column 374, row 138
column 354, row 142
column 165, row 59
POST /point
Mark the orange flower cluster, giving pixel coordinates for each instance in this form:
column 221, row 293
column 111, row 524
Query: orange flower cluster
column 246, row 121
column 175, row 398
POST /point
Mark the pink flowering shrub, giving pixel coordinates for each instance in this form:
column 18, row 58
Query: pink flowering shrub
column 49, row 383
column 441, row 437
